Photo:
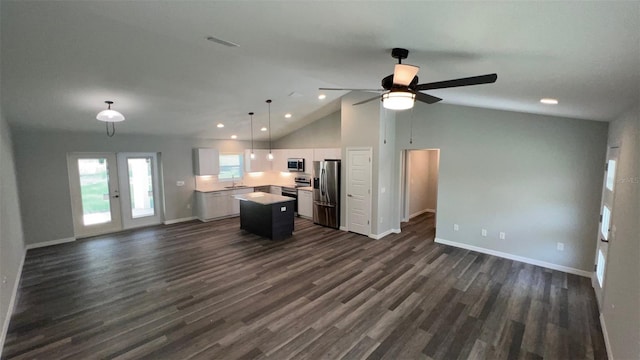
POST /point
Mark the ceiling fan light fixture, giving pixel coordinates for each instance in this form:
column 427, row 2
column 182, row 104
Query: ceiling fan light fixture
column 398, row 100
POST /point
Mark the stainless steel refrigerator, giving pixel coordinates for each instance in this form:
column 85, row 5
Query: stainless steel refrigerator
column 326, row 193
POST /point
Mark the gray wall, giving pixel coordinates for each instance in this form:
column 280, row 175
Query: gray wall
column 621, row 305
column 11, row 235
column 537, row 178
column 423, row 180
column 41, row 162
column 322, row 133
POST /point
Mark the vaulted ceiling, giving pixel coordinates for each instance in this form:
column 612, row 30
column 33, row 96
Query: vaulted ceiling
column 62, row 59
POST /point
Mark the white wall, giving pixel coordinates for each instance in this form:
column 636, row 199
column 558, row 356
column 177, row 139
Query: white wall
column 11, row 234
column 536, row 178
column 41, row 166
column 370, row 125
column 322, row 133
column 621, row 305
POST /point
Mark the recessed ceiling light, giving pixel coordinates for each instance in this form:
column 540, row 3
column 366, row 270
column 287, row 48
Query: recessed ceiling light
column 287, row 115
column 549, row 101
column 322, row 96
column 234, row 136
column 264, row 128
column 220, row 125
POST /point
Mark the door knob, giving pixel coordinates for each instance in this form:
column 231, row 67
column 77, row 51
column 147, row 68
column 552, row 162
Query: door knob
column 116, row 196
column 349, row 195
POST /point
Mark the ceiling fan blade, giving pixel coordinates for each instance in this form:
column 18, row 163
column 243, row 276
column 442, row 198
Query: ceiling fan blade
column 426, row 98
column 366, row 101
column 473, row 80
column 403, row 74
column 348, row 89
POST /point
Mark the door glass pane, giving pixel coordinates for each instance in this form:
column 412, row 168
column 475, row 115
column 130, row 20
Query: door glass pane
column 600, row 267
column 94, row 189
column 606, row 221
column 141, row 187
column 611, row 174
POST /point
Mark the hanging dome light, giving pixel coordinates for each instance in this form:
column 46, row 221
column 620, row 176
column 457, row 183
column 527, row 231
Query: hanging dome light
column 270, row 156
column 110, row 117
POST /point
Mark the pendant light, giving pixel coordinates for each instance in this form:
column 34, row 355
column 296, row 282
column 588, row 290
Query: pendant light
column 270, row 156
column 253, row 156
column 110, row 117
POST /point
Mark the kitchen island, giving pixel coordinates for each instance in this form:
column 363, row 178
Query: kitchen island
column 266, row 214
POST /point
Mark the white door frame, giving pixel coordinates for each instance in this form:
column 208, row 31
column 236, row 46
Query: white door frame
column 128, row 222
column 404, row 178
column 602, row 245
column 80, row 230
column 370, row 150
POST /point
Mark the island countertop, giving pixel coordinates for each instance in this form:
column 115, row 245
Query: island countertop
column 263, row 198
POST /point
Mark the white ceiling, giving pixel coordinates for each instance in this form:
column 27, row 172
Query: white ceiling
column 61, row 60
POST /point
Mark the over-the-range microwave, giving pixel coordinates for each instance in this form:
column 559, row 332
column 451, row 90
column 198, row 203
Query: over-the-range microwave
column 295, row 164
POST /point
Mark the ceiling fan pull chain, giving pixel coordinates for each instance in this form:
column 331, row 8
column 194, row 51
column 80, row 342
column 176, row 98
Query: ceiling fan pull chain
column 411, row 128
column 113, row 128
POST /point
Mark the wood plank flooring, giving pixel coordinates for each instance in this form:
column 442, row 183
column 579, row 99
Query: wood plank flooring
column 211, row 291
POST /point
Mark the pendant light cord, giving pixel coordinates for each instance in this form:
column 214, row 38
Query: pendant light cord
column 269, row 102
column 251, row 114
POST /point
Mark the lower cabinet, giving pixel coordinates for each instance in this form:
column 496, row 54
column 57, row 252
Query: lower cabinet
column 218, row 204
column 305, row 204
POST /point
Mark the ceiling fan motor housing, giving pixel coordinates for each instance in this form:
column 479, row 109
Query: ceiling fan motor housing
column 399, row 53
column 387, row 83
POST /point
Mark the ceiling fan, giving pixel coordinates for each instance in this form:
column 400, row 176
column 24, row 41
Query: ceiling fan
column 401, row 89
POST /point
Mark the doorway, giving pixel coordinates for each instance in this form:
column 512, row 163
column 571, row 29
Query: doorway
column 112, row 192
column 420, row 183
column 604, row 230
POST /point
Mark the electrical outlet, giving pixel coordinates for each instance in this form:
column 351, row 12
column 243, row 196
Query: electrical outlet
column 484, row 232
column 188, row 206
column 560, row 246
column 503, row 235
column 456, row 227
column 381, row 220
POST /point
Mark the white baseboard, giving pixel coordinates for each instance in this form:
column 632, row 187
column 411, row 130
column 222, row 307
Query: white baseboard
column 7, row 319
column 380, row 236
column 50, row 243
column 175, row 221
column 607, row 344
column 344, row 228
column 420, row 212
column 523, row 259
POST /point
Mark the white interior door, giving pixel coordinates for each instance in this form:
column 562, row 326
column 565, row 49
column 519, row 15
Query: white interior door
column 139, row 192
column 359, row 191
column 606, row 231
column 95, row 197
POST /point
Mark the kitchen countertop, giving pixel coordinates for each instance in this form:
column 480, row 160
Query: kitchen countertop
column 306, row 188
column 263, row 198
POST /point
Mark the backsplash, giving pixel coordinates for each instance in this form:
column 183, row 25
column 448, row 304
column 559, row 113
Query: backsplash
column 211, row 183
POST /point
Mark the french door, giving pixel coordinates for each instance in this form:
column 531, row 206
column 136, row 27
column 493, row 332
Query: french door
column 604, row 230
column 111, row 192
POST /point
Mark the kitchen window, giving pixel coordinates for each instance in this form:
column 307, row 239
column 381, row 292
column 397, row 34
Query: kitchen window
column 230, row 167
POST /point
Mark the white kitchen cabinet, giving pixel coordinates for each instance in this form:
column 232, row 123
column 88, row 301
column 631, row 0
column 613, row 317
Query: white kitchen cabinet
column 305, row 204
column 259, row 164
column 277, row 190
column 234, row 204
column 211, row 205
column 279, row 162
column 327, row 153
column 206, row 162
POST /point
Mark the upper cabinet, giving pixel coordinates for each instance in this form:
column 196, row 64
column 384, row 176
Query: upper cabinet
column 259, row 164
column 279, row 162
column 206, row 161
column 328, row 153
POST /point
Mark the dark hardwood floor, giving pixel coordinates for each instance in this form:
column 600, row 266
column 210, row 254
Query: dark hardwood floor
column 211, row 291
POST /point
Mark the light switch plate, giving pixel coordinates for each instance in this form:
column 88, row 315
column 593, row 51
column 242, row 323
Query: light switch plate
column 283, row 208
column 180, row 183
